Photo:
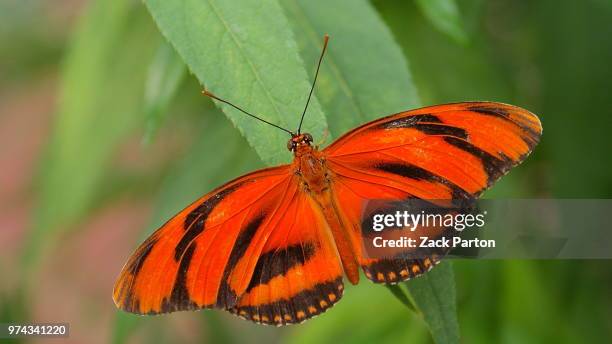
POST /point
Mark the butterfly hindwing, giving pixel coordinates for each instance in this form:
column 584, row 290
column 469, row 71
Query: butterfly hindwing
column 452, row 151
column 298, row 274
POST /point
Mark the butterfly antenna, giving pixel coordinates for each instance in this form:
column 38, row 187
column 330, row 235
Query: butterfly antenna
column 325, row 40
column 209, row 94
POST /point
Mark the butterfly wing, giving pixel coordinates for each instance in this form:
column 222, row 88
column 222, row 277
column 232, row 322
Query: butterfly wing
column 453, row 151
column 298, row 274
column 246, row 248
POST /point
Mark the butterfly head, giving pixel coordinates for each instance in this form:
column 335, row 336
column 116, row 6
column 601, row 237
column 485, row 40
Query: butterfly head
column 298, row 142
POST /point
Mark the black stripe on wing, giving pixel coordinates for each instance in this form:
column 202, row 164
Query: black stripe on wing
column 295, row 309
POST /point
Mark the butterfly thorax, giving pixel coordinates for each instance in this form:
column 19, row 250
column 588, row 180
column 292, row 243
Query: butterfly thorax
column 308, row 163
column 310, row 168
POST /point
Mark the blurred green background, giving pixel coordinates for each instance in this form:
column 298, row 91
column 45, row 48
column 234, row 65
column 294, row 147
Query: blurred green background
column 104, row 135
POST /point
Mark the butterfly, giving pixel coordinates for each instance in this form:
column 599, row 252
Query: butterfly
column 273, row 246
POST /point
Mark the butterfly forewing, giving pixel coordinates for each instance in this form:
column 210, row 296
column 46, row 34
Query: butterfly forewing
column 182, row 264
column 452, row 151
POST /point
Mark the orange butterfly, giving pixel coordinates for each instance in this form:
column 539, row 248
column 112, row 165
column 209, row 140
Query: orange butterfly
column 273, row 246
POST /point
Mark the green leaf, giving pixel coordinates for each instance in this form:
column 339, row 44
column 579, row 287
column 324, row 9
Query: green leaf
column 364, row 75
column 444, row 15
column 98, row 107
column 244, row 52
column 435, row 297
column 399, row 293
column 165, row 75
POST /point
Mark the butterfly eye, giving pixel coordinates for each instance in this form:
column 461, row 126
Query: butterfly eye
column 290, row 145
column 308, row 138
